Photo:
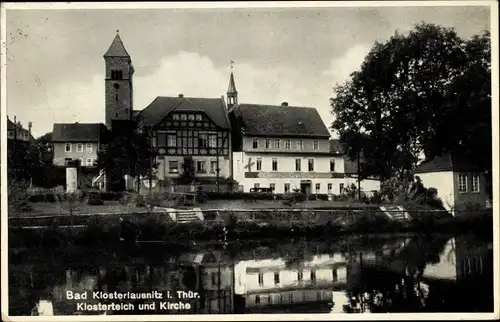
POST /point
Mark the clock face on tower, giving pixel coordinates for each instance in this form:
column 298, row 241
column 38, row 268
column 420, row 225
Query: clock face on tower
column 117, row 86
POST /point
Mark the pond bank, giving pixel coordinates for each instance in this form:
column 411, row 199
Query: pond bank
column 224, row 225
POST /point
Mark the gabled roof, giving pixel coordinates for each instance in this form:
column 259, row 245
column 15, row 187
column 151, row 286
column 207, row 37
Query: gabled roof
column 446, row 162
column 214, row 108
column 231, row 89
column 278, row 120
column 77, row 132
column 117, row 49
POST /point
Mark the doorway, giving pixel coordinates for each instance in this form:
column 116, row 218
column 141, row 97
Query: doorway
column 305, row 188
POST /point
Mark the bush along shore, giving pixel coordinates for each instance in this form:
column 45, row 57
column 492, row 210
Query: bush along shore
column 226, row 225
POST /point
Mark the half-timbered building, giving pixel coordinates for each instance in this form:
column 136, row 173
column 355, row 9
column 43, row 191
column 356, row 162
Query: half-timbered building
column 189, row 134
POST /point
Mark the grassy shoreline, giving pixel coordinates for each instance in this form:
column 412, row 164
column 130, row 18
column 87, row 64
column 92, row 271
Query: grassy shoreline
column 95, row 230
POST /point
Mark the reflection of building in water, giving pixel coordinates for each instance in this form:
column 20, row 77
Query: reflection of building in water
column 216, row 284
column 269, row 283
column 210, row 274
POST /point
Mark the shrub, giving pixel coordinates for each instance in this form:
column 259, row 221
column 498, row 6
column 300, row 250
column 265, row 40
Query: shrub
column 94, row 199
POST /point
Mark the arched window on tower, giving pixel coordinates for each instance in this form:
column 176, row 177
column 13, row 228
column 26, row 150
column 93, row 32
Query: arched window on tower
column 116, row 74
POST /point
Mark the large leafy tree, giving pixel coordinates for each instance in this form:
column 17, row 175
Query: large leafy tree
column 127, row 151
column 425, row 92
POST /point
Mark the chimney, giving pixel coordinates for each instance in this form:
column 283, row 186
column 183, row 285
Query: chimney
column 181, row 95
column 284, row 104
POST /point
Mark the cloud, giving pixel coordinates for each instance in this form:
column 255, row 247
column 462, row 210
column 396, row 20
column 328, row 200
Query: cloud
column 195, row 75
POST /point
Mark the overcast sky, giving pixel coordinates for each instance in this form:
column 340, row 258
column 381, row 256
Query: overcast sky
column 55, row 65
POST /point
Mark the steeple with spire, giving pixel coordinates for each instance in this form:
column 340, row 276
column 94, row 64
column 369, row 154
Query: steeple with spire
column 118, row 82
column 232, row 93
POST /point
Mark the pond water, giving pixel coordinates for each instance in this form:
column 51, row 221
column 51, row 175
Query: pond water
column 356, row 274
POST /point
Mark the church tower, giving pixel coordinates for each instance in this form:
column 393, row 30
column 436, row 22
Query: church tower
column 232, row 93
column 118, row 82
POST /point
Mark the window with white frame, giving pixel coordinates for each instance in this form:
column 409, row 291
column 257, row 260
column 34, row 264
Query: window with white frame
column 298, row 165
column 67, row 147
column 213, row 166
column 173, row 166
column 287, row 144
column 341, row 188
column 275, row 164
column 287, row 187
column 318, row 187
column 201, row 167
column 316, row 145
column 332, row 165
column 272, row 186
column 475, row 183
column 330, row 188
column 259, row 164
column 299, row 144
column 255, row 143
column 172, row 140
column 277, row 143
column 462, row 183
column 212, row 140
column 90, row 162
column 89, row 147
column 268, row 143
column 310, row 164
column 79, row 147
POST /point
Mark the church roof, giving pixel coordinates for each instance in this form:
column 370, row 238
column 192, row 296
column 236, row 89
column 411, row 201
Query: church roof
column 117, row 49
column 278, row 120
column 77, row 132
column 214, row 108
column 232, row 87
column 446, row 162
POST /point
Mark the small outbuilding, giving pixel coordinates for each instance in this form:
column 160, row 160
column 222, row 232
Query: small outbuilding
column 460, row 184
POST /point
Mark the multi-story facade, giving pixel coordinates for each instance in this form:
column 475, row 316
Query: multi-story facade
column 268, row 283
column 284, row 148
column 77, row 141
column 189, row 130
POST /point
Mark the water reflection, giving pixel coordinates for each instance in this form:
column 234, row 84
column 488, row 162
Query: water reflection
column 356, row 274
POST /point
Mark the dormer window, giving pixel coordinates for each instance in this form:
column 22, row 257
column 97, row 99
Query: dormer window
column 175, row 117
column 198, row 117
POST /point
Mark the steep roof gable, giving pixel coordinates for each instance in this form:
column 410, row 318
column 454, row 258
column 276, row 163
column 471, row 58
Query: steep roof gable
column 117, row 49
column 231, row 89
column 214, row 108
column 278, row 120
column 77, row 132
column 446, row 162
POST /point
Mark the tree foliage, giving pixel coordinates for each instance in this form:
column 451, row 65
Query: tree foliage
column 425, row 92
column 127, row 151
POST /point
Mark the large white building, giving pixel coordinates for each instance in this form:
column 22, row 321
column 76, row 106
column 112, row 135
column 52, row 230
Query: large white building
column 285, row 148
column 275, row 282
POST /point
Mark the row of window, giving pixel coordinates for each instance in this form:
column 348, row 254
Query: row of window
column 187, row 117
column 89, row 162
column 317, row 186
column 201, row 166
column 204, row 140
column 300, row 277
column 463, row 184
column 290, row 298
column 298, row 164
column 277, row 144
column 79, row 147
